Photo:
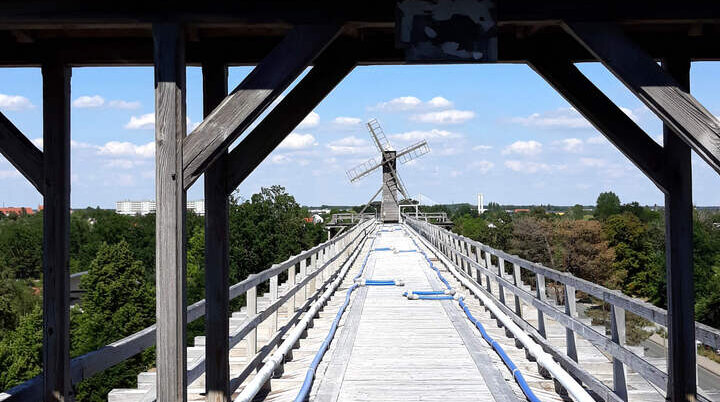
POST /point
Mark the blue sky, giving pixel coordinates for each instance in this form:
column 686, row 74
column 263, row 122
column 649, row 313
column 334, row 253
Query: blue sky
column 496, row 129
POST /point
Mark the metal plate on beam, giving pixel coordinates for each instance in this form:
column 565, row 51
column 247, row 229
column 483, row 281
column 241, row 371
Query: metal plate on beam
column 447, row 30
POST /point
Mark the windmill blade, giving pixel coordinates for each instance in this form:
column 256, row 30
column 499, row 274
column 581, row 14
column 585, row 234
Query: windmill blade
column 363, row 169
column 413, row 151
column 378, row 135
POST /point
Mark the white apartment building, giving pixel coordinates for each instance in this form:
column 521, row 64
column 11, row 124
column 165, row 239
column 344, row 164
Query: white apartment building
column 145, row 207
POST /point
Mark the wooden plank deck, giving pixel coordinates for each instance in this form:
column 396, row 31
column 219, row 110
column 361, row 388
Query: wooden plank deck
column 400, row 349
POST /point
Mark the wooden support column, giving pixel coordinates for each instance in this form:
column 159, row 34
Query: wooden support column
column 517, row 278
column 682, row 381
column 540, row 289
column 56, row 231
column 22, row 153
column 217, row 235
column 169, row 54
column 571, row 311
column 617, row 333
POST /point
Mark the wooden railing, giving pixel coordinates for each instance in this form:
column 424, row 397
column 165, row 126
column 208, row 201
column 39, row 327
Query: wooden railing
column 475, row 260
column 316, row 268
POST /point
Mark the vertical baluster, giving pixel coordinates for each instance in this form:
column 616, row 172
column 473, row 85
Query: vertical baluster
column 475, row 274
column 303, row 275
column 488, row 267
column 518, row 284
column 540, row 289
column 570, row 310
column 273, row 298
column 313, row 267
column 251, row 297
column 501, row 272
column 617, row 332
column 291, row 282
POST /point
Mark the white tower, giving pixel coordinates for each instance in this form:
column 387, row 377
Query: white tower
column 481, row 207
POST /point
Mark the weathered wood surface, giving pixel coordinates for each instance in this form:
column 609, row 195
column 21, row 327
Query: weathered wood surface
column 56, row 232
column 284, row 117
column 170, row 121
column 217, row 238
column 255, row 93
column 21, row 153
column 662, row 93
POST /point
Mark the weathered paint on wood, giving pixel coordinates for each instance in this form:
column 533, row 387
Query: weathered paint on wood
column 617, row 334
column 217, row 235
column 56, row 231
column 170, row 120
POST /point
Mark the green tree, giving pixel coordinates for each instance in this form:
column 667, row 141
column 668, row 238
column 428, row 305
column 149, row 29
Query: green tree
column 576, row 212
column 21, row 351
column 117, row 302
column 607, row 204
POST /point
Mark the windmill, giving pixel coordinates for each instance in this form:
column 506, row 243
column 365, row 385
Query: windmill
column 389, row 206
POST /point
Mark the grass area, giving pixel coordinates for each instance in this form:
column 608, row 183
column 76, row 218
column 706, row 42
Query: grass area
column 709, row 353
column 634, row 325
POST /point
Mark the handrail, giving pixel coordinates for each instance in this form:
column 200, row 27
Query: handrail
column 91, row 363
column 459, row 249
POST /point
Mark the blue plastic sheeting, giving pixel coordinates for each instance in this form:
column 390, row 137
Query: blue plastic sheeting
column 517, row 375
column 382, row 249
column 310, row 375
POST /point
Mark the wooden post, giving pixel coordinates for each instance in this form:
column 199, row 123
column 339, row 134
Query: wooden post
column 488, row 266
column 170, row 115
column 273, row 298
column 682, row 380
column 313, row 267
column 518, row 283
column 217, row 234
column 500, row 272
column 617, row 332
column 251, row 301
column 570, row 310
column 291, row 283
column 540, row 289
column 56, row 231
column 303, row 275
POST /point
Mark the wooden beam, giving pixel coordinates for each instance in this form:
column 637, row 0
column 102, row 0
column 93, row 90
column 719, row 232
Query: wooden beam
column 679, row 110
column 265, row 83
column 22, row 153
column 682, row 373
column 170, row 219
column 301, row 100
column 56, row 232
column 603, row 114
column 217, row 377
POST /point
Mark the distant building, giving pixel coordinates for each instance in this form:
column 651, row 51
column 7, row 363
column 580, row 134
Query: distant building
column 16, row 211
column 145, row 207
column 319, row 211
column 317, row 219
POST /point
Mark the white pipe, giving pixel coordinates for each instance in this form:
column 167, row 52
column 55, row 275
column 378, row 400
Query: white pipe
column 277, row 358
column 575, row 390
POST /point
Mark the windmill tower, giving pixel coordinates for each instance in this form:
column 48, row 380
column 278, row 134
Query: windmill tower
column 389, row 206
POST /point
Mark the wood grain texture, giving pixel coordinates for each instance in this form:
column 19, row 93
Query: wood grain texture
column 56, row 232
column 170, row 120
column 21, row 153
column 255, row 93
column 662, row 93
column 217, row 235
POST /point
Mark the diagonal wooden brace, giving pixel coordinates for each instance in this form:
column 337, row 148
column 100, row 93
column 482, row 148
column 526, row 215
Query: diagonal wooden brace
column 22, row 153
column 602, row 113
column 255, row 93
column 301, row 100
column 679, row 110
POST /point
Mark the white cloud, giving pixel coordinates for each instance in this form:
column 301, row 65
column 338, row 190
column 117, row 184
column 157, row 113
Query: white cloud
column 451, row 116
column 598, row 139
column 118, row 148
column 482, row 147
column 347, row 121
column 15, row 102
column 143, row 122
column 449, row 151
column 123, row 163
column 531, row 167
column 9, row 174
column 523, row 148
column 121, row 104
column 593, row 162
column 350, row 146
column 84, row 102
column 571, row 144
column 297, row 141
column 417, row 135
column 311, row 120
column 559, row 118
column 440, row 103
column 402, row 103
column 81, row 145
column 280, row 159
column 481, row 167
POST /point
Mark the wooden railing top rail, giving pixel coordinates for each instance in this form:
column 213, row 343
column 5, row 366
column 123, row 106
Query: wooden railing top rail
column 91, row 363
column 703, row 333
